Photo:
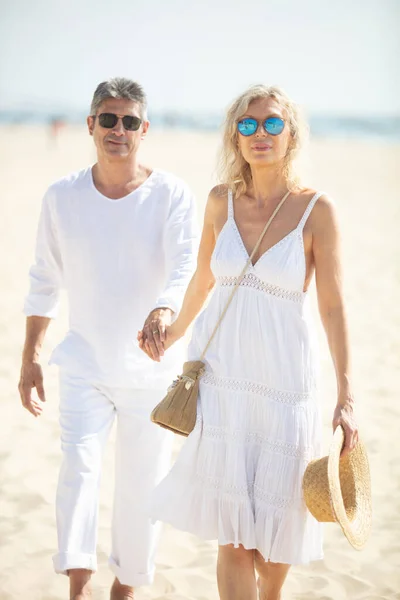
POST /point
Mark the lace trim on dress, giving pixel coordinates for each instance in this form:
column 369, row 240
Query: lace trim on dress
column 223, row 486
column 246, row 492
column 273, row 500
column 243, row 385
column 257, row 437
column 252, row 281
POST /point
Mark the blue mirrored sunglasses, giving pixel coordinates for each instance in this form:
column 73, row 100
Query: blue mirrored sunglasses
column 273, row 126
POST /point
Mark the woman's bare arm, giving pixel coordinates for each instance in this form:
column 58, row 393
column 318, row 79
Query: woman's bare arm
column 329, row 280
column 202, row 281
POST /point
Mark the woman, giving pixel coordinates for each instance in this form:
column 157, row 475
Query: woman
column 238, row 478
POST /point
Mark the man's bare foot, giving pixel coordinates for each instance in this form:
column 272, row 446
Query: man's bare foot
column 121, row 592
column 79, row 584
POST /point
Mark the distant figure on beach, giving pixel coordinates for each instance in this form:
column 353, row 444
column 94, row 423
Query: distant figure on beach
column 56, row 125
column 238, row 478
column 120, row 237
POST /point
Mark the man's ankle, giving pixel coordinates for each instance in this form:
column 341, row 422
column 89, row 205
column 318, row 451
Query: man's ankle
column 79, row 584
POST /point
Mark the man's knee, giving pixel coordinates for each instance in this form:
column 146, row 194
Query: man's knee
column 81, row 462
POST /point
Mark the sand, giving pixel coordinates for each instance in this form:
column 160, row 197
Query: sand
column 361, row 176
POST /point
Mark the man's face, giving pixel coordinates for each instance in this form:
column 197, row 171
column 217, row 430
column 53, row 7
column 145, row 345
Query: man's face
column 117, row 143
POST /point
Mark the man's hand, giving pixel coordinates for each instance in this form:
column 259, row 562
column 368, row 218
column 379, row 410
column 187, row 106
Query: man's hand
column 32, row 377
column 152, row 337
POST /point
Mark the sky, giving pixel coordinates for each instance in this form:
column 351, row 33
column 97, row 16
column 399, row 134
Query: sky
column 338, row 57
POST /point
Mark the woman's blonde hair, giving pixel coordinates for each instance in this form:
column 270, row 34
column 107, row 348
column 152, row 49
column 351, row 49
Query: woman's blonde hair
column 234, row 170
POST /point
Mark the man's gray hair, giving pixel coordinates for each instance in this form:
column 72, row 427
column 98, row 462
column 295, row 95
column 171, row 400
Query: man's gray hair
column 119, row 87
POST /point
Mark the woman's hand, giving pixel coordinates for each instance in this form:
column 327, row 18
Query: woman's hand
column 344, row 416
column 170, row 336
column 152, row 337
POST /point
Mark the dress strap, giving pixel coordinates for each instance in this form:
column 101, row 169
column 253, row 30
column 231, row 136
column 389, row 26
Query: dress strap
column 308, row 210
column 230, row 205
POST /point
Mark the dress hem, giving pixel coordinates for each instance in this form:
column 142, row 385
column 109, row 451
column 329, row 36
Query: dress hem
column 236, row 544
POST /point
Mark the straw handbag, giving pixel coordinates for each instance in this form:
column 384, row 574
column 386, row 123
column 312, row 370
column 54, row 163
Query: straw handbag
column 178, row 410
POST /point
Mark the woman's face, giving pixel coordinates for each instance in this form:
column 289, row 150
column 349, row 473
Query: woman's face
column 262, row 148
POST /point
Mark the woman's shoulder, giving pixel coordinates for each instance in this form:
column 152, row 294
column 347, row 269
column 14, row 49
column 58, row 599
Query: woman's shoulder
column 219, row 192
column 323, row 210
column 218, row 199
column 307, row 194
column 321, row 201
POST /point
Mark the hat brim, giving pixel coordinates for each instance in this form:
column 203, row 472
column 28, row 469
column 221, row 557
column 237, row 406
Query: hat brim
column 355, row 527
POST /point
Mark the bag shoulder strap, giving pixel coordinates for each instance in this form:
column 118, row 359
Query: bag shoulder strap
column 242, row 274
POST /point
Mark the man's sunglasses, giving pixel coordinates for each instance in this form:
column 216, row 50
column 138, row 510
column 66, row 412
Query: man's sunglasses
column 273, row 126
column 109, row 120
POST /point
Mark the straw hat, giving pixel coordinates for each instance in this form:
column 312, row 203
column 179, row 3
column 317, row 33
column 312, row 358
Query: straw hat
column 340, row 490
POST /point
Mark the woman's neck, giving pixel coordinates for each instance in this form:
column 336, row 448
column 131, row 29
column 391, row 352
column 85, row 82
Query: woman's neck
column 268, row 184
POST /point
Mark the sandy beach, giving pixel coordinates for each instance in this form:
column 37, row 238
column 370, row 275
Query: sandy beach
column 362, row 177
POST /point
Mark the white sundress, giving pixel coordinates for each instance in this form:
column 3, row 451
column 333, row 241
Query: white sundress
column 238, row 477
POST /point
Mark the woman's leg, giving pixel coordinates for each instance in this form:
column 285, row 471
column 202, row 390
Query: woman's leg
column 235, row 573
column 272, row 577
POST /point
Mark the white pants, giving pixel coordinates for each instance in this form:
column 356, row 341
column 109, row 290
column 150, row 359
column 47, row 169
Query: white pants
column 143, row 455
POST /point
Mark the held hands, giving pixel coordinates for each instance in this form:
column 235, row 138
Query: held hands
column 32, row 377
column 344, row 416
column 157, row 334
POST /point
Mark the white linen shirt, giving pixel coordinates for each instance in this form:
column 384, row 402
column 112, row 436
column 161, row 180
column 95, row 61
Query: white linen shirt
column 117, row 260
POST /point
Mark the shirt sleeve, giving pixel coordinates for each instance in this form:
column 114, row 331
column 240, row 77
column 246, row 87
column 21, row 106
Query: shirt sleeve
column 180, row 247
column 45, row 275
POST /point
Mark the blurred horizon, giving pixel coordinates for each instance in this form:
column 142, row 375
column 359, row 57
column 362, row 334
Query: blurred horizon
column 330, row 126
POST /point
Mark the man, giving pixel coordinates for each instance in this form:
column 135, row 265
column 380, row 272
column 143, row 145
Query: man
column 120, row 237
